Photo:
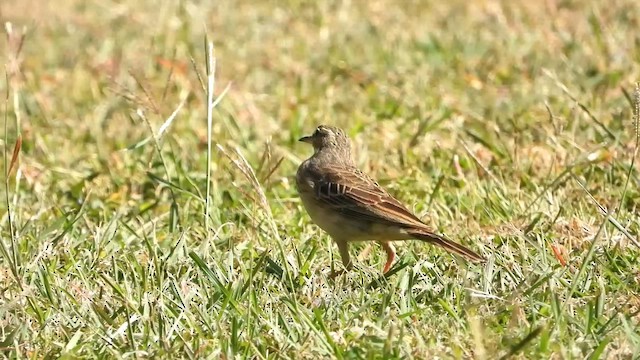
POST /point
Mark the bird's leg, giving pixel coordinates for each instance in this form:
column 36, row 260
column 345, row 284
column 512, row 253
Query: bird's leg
column 365, row 252
column 343, row 247
column 391, row 254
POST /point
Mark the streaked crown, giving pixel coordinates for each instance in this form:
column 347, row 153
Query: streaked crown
column 329, row 138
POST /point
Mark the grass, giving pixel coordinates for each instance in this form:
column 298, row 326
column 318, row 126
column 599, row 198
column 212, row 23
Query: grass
column 508, row 126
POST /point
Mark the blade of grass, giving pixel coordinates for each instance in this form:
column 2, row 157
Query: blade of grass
column 523, row 343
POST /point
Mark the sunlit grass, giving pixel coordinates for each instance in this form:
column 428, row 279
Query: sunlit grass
column 509, row 126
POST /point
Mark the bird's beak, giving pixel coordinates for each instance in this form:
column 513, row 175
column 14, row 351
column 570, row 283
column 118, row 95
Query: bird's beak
column 307, row 139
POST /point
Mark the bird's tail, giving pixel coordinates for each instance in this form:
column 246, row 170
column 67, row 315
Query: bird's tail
column 447, row 244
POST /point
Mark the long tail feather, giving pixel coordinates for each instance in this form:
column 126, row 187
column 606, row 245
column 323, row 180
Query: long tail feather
column 447, row 244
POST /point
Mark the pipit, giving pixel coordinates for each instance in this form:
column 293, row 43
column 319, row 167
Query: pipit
column 351, row 206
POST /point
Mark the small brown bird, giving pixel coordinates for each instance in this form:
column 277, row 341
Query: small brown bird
column 351, row 206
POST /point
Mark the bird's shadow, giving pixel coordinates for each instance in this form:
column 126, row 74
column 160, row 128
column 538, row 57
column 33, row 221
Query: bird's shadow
column 382, row 278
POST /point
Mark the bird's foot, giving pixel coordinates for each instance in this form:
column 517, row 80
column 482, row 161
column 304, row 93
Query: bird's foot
column 335, row 273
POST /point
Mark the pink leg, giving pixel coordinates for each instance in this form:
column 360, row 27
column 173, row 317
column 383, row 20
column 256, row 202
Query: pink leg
column 343, row 247
column 391, row 254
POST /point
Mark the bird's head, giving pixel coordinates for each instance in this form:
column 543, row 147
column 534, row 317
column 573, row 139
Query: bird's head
column 329, row 138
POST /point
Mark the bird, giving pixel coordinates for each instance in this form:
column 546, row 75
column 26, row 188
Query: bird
column 351, row 206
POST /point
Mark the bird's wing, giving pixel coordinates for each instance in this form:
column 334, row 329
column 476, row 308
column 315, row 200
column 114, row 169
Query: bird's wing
column 354, row 194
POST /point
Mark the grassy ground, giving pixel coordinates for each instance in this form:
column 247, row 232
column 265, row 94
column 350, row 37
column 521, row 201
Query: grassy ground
column 506, row 125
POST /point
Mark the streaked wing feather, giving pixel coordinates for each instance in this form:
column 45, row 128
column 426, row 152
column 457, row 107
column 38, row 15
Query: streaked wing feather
column 354, row 194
